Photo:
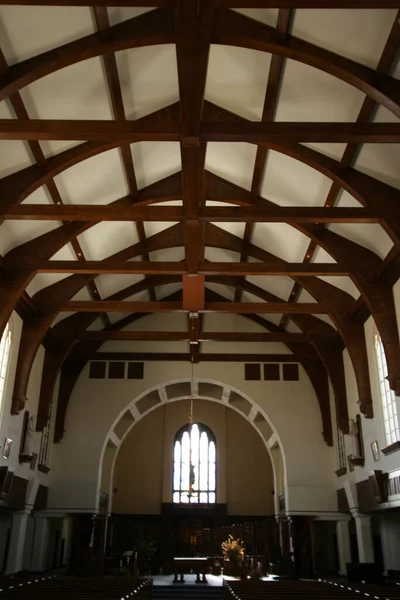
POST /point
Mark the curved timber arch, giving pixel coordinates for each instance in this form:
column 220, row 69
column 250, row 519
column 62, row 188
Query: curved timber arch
column 228, row 28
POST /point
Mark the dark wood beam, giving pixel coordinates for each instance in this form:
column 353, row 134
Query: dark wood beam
column 174, row 336
column 152, row 131
column 228, row 307
column 114, row 86
column 359, row 4
column 283, row 27
column 121, row 267
column 215, row 214
column 204, row 357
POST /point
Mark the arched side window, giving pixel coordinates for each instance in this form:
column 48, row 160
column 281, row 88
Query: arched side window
column 194, row 479
column 5, row 347
column 388, row 398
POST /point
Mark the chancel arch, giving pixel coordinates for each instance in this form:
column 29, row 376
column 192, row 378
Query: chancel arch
column 162, row 422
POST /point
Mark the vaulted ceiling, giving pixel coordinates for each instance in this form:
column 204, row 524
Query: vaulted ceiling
column 200, row 158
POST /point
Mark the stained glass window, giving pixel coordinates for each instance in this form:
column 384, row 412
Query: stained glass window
column 194, row 479
column 5, row 346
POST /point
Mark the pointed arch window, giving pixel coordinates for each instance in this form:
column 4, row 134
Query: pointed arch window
column 5, row 347
column 388, row 398
column 194, row 478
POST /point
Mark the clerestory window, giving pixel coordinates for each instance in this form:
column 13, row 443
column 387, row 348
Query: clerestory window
column 388, row 398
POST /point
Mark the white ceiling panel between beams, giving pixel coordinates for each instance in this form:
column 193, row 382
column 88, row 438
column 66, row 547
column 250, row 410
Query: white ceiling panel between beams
column 279, row 286
column 356, row 34
column 29, row 30
column 282, row 240
column 105, row 239
column 234, row 162
column 97, row 180
column 289, row 182
column 155, row 160
column 149, row 79
column 237, row 80
column 308, row 94
column 111, row 284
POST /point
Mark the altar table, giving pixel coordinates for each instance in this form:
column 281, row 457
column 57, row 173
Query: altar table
column 191, row 564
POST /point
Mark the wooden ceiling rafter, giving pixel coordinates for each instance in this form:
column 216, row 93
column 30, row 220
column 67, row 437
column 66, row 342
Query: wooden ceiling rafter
column 356, row 4
column 20, row 111
column 275, row 76
column 160, row 26
column 351, row 151
column 117, row 101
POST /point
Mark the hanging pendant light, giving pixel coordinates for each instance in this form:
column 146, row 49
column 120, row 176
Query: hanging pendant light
column 191, row 465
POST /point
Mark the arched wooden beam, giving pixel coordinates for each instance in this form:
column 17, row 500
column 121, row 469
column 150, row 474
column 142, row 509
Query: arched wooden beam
column 45, row 246
column 234, row 29
column 377, row 295
column 49, row 300
column 64, row 335
column 229, row 28
column 352, row 334
column 152, row 28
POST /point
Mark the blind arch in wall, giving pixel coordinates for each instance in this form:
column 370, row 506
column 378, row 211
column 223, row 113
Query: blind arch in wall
column 194, row 472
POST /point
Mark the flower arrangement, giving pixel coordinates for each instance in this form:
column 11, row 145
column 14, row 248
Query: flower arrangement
column 233, row 550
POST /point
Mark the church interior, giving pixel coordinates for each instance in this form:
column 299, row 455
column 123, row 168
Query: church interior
column 199, row 295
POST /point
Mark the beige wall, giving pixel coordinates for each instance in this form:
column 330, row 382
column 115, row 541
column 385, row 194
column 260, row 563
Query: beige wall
column 143, row 469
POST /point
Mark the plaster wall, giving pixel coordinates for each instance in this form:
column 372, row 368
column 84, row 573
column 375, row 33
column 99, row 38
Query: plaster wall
column 96, row 405
column 143, row 470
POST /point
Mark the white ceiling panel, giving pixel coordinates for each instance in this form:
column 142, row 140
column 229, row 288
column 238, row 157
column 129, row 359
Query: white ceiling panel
column 292, row 327
column 234, row 162
column 306, row 297
column 279, row 286
column 281, row 240
column 321, row 256
column 240, row 85
column 149, row 79
column 15, row 155
column 285, row 190
column 169, row 254
column 308, row 94
column 162, row 291
column 83, row 294
column 356, row 34
column 76, row 92
column 29, row 30
column 153, row 227
column 272, row 318
column 118, row 14
column 224, row 290
column 98, row 180
column 268, row 16
column 42, row 280
column 328, row 149
column 230, row 322
column 15, row 233
column 247, row 297
column 343, row 283
column 381, row 161
column 234, row 228
column 221, row 255
column 110, row 284
column 160, row 322
column 66, row 253
column 369, row 235
column 155, row 160
column 105, row 239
